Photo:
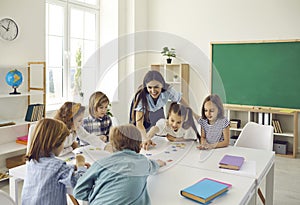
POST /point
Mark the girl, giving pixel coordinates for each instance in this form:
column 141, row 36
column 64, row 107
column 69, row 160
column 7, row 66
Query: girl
column 214, row 126
column 98, row 123
column 47, row 176
column 148, row 102
column 179, row 126
column 72, row 115
column 120, row 178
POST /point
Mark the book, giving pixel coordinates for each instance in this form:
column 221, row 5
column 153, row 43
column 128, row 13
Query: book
column 205, row 190
column 34, row 112
column 6, row 123
column 21, row 142
column 231, row 162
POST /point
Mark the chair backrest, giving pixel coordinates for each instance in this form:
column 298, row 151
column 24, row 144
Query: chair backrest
column 6, row 199
column 256, row 136
column 30, row 133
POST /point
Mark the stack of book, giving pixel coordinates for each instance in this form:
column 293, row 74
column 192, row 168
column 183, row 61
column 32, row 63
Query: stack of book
column 22, row 140
column 34, row 112
column 205, row 190
column 277, row 126
column 231, row 162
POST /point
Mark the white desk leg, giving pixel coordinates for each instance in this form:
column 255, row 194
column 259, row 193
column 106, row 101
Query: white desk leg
column 14, row 188
column 270, row 186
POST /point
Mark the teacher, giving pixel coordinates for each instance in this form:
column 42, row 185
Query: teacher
column 147, row 106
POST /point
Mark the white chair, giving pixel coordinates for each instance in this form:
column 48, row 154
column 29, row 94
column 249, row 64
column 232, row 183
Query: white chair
column 256, row 136
column 6, row 199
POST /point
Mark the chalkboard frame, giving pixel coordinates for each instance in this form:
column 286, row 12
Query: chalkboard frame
column 258, row 73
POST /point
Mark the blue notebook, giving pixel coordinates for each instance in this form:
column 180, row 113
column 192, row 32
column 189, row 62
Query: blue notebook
column 205, row 190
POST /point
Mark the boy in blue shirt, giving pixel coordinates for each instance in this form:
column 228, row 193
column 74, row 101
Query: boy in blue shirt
column 122, row 177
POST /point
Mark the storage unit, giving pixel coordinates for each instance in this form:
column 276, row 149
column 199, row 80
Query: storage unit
column 13, row 109
column 177, row 75
column 286, row 128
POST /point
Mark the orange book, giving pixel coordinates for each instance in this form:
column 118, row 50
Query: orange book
column 21, row 142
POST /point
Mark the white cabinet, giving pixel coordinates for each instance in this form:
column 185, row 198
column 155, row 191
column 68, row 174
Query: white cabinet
column 13, row 109
column 288, row 119
column 177, row 75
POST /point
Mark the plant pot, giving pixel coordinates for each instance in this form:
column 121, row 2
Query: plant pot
column 169, row 60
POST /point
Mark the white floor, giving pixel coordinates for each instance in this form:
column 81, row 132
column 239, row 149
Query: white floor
column 286, row 185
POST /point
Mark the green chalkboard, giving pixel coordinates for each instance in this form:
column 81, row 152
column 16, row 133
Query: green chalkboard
column 259, row 74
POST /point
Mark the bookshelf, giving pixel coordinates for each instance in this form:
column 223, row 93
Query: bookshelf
column 13, row 109
column 287, row 117
column 177, row 75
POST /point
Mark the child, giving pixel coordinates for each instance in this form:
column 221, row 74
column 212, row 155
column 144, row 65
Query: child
column 148, row 102
column 214, row 126
column 178, row 127
column 98, row 122
column 47, row 176
column 121, row 178
column 72, row 115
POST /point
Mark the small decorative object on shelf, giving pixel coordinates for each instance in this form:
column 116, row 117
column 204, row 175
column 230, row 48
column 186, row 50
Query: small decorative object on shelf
column 14, row 78
column 175, row 78
column 170, row 53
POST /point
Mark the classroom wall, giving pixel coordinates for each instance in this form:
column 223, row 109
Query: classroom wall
column 28, row 46
column 203, row 21
column 30, row 43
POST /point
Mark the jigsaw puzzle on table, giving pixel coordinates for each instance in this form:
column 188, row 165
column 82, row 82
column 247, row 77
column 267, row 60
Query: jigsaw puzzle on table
column 170, row 152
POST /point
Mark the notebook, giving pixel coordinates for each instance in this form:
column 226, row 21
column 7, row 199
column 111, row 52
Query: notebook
column 231, row 162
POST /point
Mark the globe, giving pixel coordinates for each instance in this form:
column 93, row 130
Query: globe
column 14, row 79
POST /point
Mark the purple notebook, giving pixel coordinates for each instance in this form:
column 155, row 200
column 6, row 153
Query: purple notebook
column 231, row 162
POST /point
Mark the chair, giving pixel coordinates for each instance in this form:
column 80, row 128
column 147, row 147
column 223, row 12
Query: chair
column 256, row 136
column 6, row 199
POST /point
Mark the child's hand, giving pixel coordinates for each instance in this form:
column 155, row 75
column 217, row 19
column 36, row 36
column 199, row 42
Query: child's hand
column 74, row 145
column 203, row 147
column 147, row 144
column 109, row 148
column 103, row 138
column 171, row 138
column 80, row 160
column 161, row 163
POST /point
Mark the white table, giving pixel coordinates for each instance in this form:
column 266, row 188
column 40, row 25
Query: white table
column 263, row 161
column 165, row 186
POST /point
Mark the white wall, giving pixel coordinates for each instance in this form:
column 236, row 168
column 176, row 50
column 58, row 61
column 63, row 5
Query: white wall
column 30, row 43
column 204, row 21
column 28, row 46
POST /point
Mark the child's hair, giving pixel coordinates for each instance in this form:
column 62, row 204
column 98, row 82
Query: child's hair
column 140, row 95
column 68, row 111
column 47, row 135
column 96, row 100
column 215, row 99
column 186, row 113
column 125, row 137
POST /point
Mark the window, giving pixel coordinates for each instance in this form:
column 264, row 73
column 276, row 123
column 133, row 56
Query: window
column 72, row 36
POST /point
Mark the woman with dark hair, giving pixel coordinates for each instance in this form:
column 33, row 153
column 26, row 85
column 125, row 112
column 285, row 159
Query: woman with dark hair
column 147, row 105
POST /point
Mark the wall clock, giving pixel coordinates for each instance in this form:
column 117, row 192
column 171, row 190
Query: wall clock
column 8, row 29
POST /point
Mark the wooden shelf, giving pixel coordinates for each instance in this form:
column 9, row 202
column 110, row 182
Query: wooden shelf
column 11, row 147
column 288, row 122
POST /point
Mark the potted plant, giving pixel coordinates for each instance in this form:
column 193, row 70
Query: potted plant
column 169, row 53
